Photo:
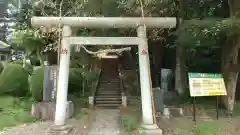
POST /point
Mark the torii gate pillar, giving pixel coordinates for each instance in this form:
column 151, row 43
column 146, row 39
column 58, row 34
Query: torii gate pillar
column 149, row 124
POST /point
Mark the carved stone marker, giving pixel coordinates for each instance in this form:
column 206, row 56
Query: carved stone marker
column 158, row 96
column 46, row 108
column 50, row 83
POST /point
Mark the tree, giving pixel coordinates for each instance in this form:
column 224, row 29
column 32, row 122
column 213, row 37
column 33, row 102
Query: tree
column 231, row 55
column 28, row 40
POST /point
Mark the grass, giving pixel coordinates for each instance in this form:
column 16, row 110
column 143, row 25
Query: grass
column 203, row 128
column 14, row 111
column 236, row 111
column 130, row 119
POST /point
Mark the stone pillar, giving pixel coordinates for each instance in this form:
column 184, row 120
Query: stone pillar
column 62, row 87
column 145, row 83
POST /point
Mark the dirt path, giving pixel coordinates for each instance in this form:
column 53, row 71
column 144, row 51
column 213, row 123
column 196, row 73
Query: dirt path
column 106, row 122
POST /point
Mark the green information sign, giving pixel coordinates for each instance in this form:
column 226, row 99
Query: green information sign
column 206, row 84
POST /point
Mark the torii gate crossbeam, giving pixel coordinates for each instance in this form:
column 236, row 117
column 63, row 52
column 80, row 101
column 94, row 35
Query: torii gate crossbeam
column 109, row 22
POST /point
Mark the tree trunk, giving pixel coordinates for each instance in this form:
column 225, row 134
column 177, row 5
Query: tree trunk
column 229, row 59
column 180, row 77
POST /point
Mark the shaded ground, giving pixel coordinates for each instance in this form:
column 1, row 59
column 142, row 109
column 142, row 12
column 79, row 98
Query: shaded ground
column 206, row 124
column 185, row 126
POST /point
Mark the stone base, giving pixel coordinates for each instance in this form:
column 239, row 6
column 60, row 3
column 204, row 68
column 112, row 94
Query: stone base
column 91, row 100
column 150, row 130
column 175, row 112
column 46, row 110
column 124, row 101
column 59, row 130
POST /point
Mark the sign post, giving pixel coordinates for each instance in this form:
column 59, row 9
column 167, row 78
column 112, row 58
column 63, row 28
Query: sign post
column 194, row 109
column 206, row 84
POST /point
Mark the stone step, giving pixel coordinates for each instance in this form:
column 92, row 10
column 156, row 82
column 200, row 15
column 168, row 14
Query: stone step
column 108, row 106
column 109, row 81
column 102, row 92
column 108, row 92
column 109, row 84
column 108, row 101
column 116, row 76
column 109, row 78
column 109, row 89
column 108, row 98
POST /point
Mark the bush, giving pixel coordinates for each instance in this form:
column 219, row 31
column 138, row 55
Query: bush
column 75, row 80
column 14, row 80
column 1, row 67
column 29, row 68
column 36, row 84
column 35, row 61
column 20, row 62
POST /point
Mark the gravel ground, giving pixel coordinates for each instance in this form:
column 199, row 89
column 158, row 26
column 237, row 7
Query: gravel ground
column 100, row 122
column 106, row 122
column 79, row 127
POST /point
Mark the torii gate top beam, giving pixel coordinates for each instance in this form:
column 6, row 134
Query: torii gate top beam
column 105, row 22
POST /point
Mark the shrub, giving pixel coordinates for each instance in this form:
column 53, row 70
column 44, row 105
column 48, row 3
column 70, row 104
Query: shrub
column 14, row 80
column 75, row 80
column 29, row 68
column 1, row 67
column 35, row 61
column 36, row 84
column 20, row 62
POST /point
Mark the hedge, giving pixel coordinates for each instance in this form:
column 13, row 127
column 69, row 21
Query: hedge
column 75, row 80
column 20, row 62
column 36, row 82
column 14, row 80
column 1, row 67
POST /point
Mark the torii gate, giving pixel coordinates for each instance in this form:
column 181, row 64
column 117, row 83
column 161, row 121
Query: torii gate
column 106, row 22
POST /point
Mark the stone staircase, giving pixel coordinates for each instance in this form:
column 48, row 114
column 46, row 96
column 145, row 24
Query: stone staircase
column 108, row 93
